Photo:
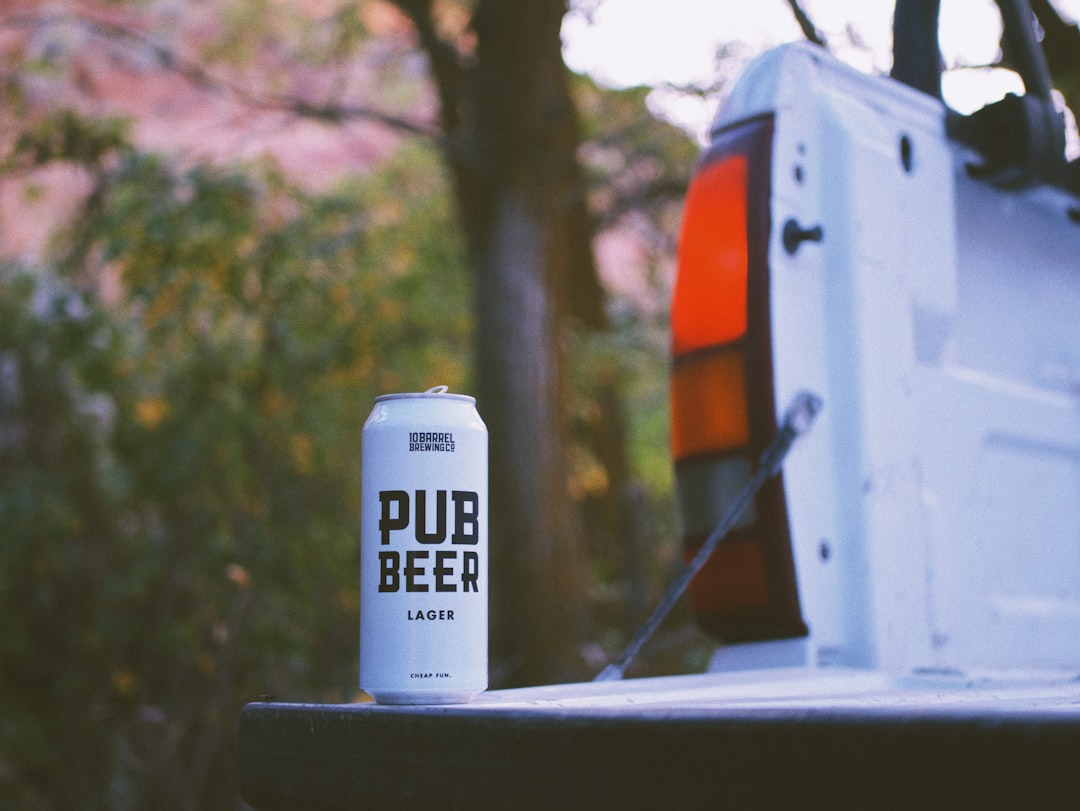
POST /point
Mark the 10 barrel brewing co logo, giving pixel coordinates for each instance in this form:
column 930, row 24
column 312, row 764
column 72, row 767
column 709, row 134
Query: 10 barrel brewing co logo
column 438, row 441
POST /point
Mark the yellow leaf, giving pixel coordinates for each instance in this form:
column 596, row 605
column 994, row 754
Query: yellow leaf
column 150, row 411
column 205, row 665
column 237, row 575
column 303, row 453
column 123, row 681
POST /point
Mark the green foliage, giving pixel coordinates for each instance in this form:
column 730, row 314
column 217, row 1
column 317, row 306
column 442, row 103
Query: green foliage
column 636, row 164
column 637, row 169
column 182, row 390
column 67, row 136
column 181, row 398
column 54, row 507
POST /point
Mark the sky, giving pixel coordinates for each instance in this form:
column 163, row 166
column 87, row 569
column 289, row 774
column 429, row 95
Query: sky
column 674, row 42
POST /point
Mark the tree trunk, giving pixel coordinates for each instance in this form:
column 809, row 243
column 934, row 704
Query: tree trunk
column 511, row 136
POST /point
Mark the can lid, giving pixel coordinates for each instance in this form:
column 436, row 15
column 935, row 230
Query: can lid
column 441, row 392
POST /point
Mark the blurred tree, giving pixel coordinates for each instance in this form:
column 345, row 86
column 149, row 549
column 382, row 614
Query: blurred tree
column 560, row 471
column 186, row 360
column 521, row 204
column 511, row 137
column 178, row 466
column 636, row 170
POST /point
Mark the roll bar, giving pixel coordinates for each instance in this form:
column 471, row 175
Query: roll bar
column 1021, row 138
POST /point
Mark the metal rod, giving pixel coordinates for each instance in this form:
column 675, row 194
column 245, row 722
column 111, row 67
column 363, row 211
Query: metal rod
column 798, row 419
column 916, row 53
column 1018, row 24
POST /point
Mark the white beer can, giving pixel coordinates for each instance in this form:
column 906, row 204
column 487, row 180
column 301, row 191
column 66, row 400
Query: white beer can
column 423, row 549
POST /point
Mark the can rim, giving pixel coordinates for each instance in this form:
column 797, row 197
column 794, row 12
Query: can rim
column 435, row 391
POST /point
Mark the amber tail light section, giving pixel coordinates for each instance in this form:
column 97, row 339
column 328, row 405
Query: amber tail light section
column 722, row 401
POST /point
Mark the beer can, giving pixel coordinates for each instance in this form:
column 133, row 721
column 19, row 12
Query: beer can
column 423, row 549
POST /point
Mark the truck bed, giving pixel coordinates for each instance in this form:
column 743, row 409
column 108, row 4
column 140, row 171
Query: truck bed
column 800, row 737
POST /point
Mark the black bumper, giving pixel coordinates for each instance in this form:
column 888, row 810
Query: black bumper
column 313, row 757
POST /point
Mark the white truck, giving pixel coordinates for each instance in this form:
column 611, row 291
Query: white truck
column 931, row 518
column 899, row 609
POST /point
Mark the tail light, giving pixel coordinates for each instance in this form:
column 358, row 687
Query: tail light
column 723, row 412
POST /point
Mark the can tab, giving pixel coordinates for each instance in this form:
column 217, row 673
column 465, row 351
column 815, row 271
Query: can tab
column 437, row 390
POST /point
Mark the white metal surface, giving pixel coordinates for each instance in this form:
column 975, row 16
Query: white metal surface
column 793, row 689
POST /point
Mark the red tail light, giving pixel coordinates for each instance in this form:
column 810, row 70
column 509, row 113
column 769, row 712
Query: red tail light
column 711, row 304
column 722, row 404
